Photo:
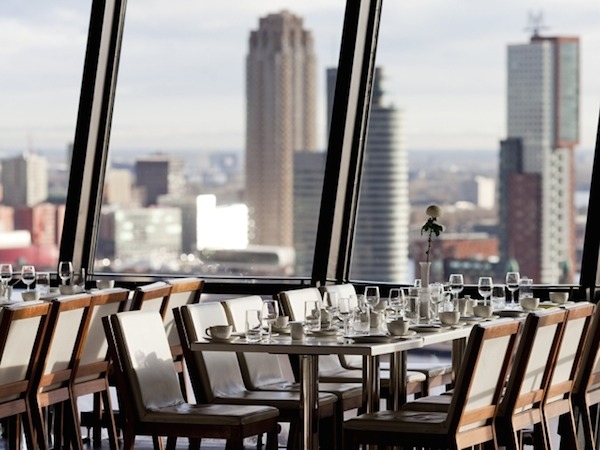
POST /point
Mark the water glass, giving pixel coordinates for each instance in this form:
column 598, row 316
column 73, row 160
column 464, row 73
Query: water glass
column 253, row 325
column 42, row 283
column 312, row 315
column 412, row 310
column 525, row 287
column 362, row 320
column 498, row 296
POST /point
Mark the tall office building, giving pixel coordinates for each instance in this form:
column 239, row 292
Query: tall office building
column 158, row 175
column 381, row 242
column 25, row 180
column 280, row 119
column 536, row 160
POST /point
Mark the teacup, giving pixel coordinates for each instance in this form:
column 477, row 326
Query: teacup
column 559, row 297
column 449, row 317
column 30, row 295
column 397, row 327
column 529, row 303
column 219, row 331
column 105, row 284
column 282, row 322
column 483, row 311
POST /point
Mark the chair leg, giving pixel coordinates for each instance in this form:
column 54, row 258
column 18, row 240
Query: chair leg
column 158, row 442
column 272, row 440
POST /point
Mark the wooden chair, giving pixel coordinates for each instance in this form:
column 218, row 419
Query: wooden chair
column 469, row 418
column 267, row 372
column 148, row 388
column 557, row 400
column 534, row 361
column 152, row 297
column 438, row 374
column 216, row 376
column 331, row 369
column 59, row 351
column 21, row 327
column 184, row 291
column 91, row 372
column 586, row 389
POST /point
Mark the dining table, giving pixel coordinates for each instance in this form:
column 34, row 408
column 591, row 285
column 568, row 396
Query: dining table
column 371, row 349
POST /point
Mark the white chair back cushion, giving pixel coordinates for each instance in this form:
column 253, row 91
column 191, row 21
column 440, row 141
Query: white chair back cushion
column 177, row 300
column 295, row 299
column 148, row 361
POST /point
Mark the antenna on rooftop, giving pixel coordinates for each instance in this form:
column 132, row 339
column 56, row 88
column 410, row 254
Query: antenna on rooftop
column 535, row 23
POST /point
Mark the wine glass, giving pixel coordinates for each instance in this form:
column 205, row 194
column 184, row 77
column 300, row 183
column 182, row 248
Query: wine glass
column 457, row 283
column 372, row 296
column 65, row 271
column 6, row 274
column 436, row 293
column 484, row 287
column 345, row 311
column 512, row 284
column 28, row 275
column 269, row 314
column 396, row 301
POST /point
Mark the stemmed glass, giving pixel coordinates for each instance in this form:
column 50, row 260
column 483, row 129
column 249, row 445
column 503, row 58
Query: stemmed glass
column 372, row 296
column 436, row 293
column 484, row 288
column 6, row 274
column 457, row 283
column 512, row 284
column 65, row 271
column 345, row 311
column 269, row 314
column 396, row 301
column 28, row 275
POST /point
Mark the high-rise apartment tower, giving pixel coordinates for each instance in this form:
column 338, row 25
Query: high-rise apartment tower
column 537, row 226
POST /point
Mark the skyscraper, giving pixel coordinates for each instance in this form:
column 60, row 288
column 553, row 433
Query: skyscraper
column 280, row 119
column 380, row 249
column 159, row 175
column 536, row 160
column 25, row 180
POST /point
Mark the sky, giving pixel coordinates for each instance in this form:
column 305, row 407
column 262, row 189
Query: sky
column 181, row 79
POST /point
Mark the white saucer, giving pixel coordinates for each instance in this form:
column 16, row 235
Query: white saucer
column 429, row 328
column 325, row 333
column 286, row 330
column 222, row 341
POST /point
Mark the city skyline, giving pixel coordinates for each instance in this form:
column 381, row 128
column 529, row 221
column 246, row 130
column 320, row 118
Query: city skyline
column 437, row 58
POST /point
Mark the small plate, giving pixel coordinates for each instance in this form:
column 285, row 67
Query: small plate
column 286, row 330
column 471, row 319
column 372, row 338
column 326, row 332
column 510, row 313
column 429, row 328
column 222, row 341
column 458, row 325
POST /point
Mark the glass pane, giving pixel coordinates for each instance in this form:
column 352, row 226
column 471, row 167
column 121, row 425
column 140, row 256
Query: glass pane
column 492, row 116
column 218, row 139
column 42, row 49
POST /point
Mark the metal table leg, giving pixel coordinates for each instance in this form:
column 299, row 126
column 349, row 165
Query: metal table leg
column 309, row 399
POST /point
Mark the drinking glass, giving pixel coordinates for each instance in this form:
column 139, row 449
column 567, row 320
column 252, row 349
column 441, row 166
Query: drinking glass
column 396, row 301
column 6, row 274
column 269, row 314
column 412, row 308
column 362, row 319
column 498, row 296
column 65, row 271
column 484, row 287
column 525, row 287
column 345, row 312
column 372, row 296
column 312, row 315
column 42, row 283
column 457, row 283
column 436, row 293
column 512, row 284
column 330, row 301
column 28, row 275
column 253, row 325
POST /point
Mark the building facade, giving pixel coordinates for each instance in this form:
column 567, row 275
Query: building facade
column 158, row 175
column 280, row 119
column 536, row 161
column 25, row 180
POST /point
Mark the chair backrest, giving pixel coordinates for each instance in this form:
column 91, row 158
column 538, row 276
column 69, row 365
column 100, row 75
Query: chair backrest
column 534, row 362
column 570, row 351
column 93, row 361
column 292, row 301
column 480, row 379
column 184, row 291
column 66, row 330
column 258, row 369
column 142, row 358
column 213, row 374
column 588, row 375
column 21, row 328
column 345, row 290
column 152, row 297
